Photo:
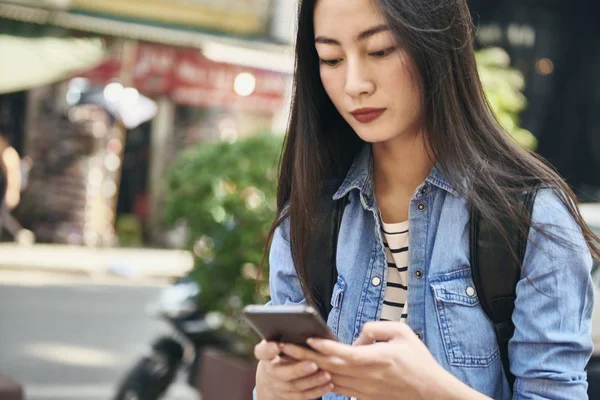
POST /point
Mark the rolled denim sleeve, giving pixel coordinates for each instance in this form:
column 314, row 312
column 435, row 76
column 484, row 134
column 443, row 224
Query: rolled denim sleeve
column 284, row 284
column 283, row 281
column 552, row 341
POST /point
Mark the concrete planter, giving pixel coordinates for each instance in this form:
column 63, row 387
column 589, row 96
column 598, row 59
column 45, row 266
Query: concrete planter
column 225, row 377
column 9, row 389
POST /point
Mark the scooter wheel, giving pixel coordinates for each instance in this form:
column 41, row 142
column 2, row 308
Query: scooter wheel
column 151, row 377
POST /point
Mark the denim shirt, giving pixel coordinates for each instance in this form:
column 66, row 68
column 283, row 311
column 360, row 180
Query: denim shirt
column 552, row 317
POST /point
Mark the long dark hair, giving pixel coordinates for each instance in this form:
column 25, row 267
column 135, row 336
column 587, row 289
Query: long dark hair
column 463, row 135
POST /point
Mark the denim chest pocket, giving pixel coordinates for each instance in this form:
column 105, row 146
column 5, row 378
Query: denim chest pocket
column 467, row 333
column 337, row 297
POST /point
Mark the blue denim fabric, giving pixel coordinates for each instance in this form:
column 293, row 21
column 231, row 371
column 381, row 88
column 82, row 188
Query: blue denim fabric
column 552, row 341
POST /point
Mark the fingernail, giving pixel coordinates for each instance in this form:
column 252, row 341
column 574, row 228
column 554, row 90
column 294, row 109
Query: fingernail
column 312, row 342
column 312, row 367
column 326, row 377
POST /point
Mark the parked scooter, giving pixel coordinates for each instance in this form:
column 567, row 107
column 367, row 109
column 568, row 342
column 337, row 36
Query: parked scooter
column 150, row 377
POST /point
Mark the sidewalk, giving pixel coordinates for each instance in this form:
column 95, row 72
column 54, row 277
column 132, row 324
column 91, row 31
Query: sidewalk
column 134, row 263
column 178, row 391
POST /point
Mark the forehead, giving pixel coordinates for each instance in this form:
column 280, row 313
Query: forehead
column 335, row 18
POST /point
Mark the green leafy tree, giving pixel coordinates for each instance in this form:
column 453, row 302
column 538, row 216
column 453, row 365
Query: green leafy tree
column 503, row 87
column 225, row 194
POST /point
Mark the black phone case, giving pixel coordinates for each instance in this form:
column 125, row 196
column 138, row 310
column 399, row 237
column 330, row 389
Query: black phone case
column 287, row 324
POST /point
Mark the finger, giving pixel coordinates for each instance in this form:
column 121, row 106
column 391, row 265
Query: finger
column 284, row 359
column 350, row 384
column 363, row 339
column 292, row 372
column 313, row 381
column 347, row 387
column 382, row 331
column 335, row 349
column 311, row 393
column 277, row 361
column 302, row 353
column 266, row 351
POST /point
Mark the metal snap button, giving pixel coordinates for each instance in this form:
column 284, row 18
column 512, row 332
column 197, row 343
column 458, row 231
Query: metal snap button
column 376, row 281
column 470, row 291
column 419, row 335
column 421, row 207
column 424, row 190
column 418, row 274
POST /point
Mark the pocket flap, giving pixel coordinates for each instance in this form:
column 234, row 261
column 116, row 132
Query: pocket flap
column 455, row 287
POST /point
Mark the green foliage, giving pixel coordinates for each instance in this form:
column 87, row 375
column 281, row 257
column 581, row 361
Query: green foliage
column 225, row 194
column 129, row 231
column 503, row 85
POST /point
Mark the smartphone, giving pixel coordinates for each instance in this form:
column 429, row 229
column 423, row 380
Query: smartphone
column 287, row 324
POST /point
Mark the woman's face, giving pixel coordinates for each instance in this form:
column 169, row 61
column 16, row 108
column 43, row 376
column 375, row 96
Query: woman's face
column 365, row 71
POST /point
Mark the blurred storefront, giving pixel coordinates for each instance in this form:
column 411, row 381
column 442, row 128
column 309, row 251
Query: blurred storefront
column 198, row 100
column 213, row 70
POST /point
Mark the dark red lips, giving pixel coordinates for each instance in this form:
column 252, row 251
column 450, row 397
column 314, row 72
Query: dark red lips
column 366, row 115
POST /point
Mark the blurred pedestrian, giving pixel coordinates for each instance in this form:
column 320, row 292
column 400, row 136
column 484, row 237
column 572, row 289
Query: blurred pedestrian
column 389, row 113
column 12, row 164
column 14, row 169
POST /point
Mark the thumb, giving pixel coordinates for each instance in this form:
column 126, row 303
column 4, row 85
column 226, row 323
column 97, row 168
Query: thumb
column 382, row 331
column 266, row 351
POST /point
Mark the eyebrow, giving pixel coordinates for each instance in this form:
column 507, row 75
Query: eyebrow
column 361, row 36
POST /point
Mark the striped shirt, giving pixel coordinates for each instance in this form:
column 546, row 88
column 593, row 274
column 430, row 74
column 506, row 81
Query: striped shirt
column 395, row 240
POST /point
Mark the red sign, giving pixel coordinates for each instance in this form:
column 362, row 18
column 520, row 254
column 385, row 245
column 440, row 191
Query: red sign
column 192, row 79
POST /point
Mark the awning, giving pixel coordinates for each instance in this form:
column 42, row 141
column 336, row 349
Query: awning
column 251, row 52
column 190, row 78
column 26, row 63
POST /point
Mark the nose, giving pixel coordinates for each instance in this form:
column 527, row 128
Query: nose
column 358, row 80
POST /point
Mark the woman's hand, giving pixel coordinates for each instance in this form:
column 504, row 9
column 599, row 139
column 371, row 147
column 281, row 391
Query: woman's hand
column 398, row 364
column 280, row 378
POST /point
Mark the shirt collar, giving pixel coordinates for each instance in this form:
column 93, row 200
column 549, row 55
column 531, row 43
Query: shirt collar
column 360, row 176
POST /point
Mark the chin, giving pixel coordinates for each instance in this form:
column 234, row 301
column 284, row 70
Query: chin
column 371, row 136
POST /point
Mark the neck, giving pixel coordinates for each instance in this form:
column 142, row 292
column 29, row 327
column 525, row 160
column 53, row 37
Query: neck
column 401, row 165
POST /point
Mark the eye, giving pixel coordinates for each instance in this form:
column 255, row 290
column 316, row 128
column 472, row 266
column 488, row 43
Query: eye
column 331, row 63
column 383, row 53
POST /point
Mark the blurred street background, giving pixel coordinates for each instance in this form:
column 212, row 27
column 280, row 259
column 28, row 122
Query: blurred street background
column 70, row 337
column 141, row 140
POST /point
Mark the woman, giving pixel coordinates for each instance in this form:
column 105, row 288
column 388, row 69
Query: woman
column 389, row 107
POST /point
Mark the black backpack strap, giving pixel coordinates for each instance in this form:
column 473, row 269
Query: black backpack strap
column 322, row 267
column 496, row 273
